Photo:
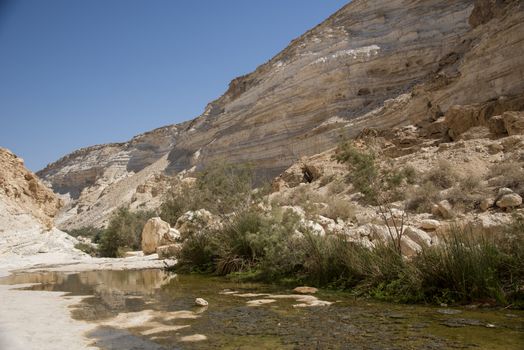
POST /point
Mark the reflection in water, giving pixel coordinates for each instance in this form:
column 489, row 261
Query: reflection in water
column 153, row 309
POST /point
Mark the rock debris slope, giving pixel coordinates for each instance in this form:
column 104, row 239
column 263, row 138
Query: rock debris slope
column 372, row 64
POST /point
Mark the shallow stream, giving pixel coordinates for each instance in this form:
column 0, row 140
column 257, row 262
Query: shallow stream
column 154, row 309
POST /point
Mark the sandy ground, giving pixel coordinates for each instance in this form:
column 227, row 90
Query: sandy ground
column 41, row 320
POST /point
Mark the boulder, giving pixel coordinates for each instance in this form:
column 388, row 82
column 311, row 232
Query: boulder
column 460, row 119
column 445, row 209
column 168, row 251
column 314, row 227
column 509, row 201
column 429, row 224
column 305, row 290
column 157, row 232
column 503, row 191
column 496, row 125
column 192, row 222
column 487, row 203
column 514, row 122
column 409, row 247
column 418, row 236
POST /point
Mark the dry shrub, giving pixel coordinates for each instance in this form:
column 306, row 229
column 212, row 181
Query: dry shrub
column 337, row 186
column 420, row 199
column 442, row 175
column 338, row 208
column 467, row 194
column 509, row 175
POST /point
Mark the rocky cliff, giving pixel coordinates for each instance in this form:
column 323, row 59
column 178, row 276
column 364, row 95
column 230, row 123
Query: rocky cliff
column 24, row 201
column 372, row 64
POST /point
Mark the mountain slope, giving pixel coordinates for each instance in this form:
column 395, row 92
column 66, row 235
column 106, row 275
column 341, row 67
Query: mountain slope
column 371, row 64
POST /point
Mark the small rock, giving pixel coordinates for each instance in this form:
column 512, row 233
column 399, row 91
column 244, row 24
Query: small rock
column 504, row 190
column 494, row 148
column 487, row 203
column 448, row 311
column 509, row 201
column 305, row 290
column 201, row 302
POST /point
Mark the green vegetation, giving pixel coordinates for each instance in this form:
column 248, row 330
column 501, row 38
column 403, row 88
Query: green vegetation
column 465, row 267
column 123, row 232
column 220, row 188
column 379, row 186
column 87, row 248
column 90, row 232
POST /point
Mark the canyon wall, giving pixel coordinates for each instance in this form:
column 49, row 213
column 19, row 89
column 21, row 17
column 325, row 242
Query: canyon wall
column 373, row 64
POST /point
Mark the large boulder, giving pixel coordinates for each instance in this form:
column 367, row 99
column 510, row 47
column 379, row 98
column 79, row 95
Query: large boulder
column 460, row 119
column 157, row 233
column 420, row 237
column 514, row 122
column 192, row 222
column 509, row 200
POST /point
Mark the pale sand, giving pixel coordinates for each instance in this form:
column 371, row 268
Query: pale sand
column 42, row 320
column 39, row 320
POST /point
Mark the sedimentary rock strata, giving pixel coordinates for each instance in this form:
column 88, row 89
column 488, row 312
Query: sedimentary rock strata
column 372, row 64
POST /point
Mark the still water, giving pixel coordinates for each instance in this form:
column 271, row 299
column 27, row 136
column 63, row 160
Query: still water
column 154, row 309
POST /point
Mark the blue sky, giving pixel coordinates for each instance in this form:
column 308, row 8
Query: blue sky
column 74, row 73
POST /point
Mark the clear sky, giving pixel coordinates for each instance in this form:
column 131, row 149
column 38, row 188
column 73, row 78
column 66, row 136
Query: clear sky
column 74, row 73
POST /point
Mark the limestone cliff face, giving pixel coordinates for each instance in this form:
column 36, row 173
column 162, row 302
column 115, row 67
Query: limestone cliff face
column 372, row 64
column 24, row 201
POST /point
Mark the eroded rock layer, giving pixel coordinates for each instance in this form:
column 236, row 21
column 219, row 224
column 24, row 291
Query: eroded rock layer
column 372, row 64
column 24, row 201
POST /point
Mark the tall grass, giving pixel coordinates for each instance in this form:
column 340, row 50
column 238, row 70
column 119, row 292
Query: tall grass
column 463, row 268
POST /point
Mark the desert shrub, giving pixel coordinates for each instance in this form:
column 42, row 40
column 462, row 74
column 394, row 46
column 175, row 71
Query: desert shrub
column 420, row 199
column 363, row 171
column 124, row 231
column 337, row 186
column 442, row 175
column 510, row 174
column 223, row 188
column 338, row 208
column 178, row 201
column 467, row 193
column 379, row 186
column 198, row 253
column 87, row 248
column 91, row 232
column 220, row 188
column 303, row 197
column 469, row 266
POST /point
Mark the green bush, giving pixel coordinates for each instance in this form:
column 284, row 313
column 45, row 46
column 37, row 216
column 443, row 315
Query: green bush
column 87, row 248
column 177, row 202
column 220, row 188
column 468, row 266
column 363, row 171
column 463, row 268
column 88, row 231
column 123, row 232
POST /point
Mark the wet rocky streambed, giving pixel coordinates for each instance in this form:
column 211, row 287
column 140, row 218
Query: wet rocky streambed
column 154, row 309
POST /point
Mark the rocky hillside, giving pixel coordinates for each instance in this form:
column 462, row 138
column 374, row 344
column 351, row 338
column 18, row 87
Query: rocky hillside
column 24, row 201
column 372, row 64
